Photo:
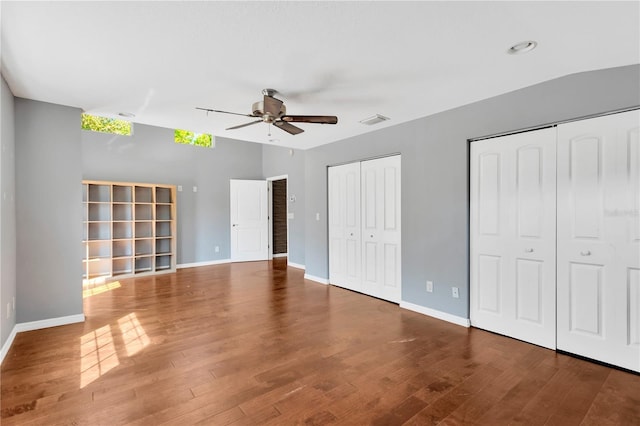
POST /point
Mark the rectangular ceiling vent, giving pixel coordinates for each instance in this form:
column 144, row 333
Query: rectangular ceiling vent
column 374, row 120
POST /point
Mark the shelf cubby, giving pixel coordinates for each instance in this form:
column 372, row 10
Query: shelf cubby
column 99, row 193
column 122, row 248
column 99, row 231
column 123, row 266
column 163, row 229
column 98, row 249
column 122, row 212
column 98, row 268
column 163, row 212
column 144, row 247
column 144, row 229
column 163, row 195
column 143, row 194
column 163, row 245
column 99, row 212
column 144, row 212
column 122, row 194
column 122, row 230
column 163, row 262
column 143, row 264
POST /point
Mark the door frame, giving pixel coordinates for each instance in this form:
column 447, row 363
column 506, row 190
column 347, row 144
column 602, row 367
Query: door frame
column 270, row 213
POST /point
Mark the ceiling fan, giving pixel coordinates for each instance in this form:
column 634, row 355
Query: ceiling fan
column 272, row 111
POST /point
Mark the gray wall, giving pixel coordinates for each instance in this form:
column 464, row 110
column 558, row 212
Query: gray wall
column 435, row 175
column 150, row 155
column 49, row 211
column 7, row 212
column 277, row 161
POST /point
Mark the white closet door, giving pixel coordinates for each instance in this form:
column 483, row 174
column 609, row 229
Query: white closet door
column 344, row 226
column 599, row 239
column 381, row 233
column 513, row 236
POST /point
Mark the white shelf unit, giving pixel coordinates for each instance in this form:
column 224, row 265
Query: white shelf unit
column 129, row 229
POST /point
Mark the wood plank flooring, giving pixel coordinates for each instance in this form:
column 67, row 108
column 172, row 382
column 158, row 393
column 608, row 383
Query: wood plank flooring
column 255, row 343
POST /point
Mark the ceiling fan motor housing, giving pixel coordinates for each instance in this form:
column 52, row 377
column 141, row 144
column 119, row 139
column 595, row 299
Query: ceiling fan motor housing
column 258, row 111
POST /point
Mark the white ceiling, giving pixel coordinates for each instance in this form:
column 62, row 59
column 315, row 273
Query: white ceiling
column 404, row 60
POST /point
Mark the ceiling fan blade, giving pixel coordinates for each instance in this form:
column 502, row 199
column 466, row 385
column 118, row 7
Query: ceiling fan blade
column 225, row 112
column 322, row 119
column 289, row 128
column 244, row 125
column 272, row 106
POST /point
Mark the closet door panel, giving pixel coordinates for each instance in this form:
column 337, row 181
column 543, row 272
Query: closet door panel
column 381, row 229
column 597, row 238
column 344, row 226
column 513, row 236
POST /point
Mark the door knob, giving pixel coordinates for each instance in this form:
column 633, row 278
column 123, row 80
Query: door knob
column 235, row 224
column 585, row 253
column 528, row 250
column 371, row 235
column 351, row 234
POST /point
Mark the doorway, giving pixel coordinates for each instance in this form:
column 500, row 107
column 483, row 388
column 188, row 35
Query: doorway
column 278, row 217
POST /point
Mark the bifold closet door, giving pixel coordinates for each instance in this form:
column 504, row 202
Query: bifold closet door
column 512, row 236
column 381, row 232
column 344, row 226
column 599, row 239
column 364, row 227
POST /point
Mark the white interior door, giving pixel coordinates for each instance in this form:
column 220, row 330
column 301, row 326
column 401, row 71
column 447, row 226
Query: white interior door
column 599, row 239
column 344, row 226
column 381, row 231
column 249, row 222
column 512, row 236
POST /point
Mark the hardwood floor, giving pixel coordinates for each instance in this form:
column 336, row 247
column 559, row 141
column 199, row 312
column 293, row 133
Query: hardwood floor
column 254, row 343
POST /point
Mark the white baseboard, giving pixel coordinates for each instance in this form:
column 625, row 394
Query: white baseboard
column 295, row 265
column 324, row 281
column 37, row 325
column 7, row 344
column 205, row 263
column 280, row 255
column 436, row 314
column 51, row 322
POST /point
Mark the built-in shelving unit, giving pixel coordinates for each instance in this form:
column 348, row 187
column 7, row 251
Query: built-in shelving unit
column 129, row 229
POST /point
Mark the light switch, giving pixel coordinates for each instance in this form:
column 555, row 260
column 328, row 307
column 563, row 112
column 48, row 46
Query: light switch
column 195, row 189
column 289, row 215
column 317, row 216
column 179, row 188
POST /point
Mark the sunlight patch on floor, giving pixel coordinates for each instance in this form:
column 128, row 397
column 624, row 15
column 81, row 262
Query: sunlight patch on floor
column 97, row 355
column 91, row 289
column 133, row 335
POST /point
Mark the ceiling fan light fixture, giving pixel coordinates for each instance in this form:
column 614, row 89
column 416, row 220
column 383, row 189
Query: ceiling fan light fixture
column 374, row 120
column 522, row 47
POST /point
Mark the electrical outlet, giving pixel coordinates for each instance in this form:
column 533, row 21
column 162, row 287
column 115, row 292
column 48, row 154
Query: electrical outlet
column 454, row 292
column 179, row 188
column 195, row 189
column 430, row 286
